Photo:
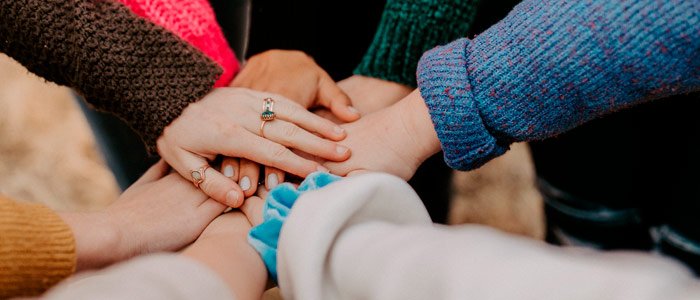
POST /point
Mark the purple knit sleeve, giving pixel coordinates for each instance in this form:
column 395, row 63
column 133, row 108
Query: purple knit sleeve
column 552, row 65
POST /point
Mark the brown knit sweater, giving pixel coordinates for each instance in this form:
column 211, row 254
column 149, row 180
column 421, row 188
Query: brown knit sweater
column 37, row 249
column 119, row 62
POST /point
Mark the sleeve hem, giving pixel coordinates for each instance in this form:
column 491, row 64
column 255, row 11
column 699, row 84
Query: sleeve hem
column 444, row 83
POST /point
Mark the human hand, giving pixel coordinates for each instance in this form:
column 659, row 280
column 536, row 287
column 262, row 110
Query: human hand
column 295, row 75
column 370, row 94
column 394, row 140
column 158, row 212
column 227, row 122
column 246, row 173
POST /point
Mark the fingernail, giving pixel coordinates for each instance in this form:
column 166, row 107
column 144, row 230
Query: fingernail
column 341, row 149
column 228, row 171
column 339, row 130
column 272, row 181
column 232, row 198
column 245, row 183
column 353, row 110
column 322, row 169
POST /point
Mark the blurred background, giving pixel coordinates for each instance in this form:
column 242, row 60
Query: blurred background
column 47, row 151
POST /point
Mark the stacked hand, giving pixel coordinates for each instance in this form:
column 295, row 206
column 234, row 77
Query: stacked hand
column 296, row 76
column 395, row 140
column 228, row 122
column 160, row 212
column 164, row 211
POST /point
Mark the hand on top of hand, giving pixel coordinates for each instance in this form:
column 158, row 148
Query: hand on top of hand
column 395, row 140
column 228, row 122
column 295, row 75
column 159, row 212
column 370, row 94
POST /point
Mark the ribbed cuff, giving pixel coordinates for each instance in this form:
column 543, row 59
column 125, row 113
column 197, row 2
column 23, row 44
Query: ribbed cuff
column 37, row 249
column 407, row 29
column 444, row 83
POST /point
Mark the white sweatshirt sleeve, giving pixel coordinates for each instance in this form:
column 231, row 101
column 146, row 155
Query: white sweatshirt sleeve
column 153, row 277
column 369, row 237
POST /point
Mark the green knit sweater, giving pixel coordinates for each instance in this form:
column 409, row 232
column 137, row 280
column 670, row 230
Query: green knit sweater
column 407, row 29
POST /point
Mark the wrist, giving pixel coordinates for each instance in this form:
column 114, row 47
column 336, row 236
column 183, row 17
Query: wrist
column 415, row 118
column 223, row 248
column 95, row 239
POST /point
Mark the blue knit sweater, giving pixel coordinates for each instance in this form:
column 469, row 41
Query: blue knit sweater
column 552, row 65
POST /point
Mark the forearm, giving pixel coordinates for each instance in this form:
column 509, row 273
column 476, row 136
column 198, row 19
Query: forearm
column 360, row 246
column 477, row 262
column 419, row 134
column 231, row 257
column 119, row 62
column 407, row 29
column 551, row 65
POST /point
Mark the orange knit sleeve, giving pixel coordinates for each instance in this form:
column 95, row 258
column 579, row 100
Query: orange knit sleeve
column 37, row 249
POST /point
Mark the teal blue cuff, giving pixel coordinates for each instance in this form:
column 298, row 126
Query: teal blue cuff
column 278, row 205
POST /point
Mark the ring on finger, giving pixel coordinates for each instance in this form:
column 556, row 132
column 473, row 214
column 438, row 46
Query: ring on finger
column 268, row 113
column 198, row 176
column 262, row 128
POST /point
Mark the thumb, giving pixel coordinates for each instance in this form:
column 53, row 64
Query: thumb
column 253, row 210
column 332, row 97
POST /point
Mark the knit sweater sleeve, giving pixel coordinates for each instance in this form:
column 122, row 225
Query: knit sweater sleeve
column 37, row 249
column 407, row 29
column 119, row 62
column 550, row 66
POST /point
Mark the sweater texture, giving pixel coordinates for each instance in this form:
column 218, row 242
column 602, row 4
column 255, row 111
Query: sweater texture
column 121, row 63
column 550, row 66
column 37, row 249
column 195, row 22
column 407, row 29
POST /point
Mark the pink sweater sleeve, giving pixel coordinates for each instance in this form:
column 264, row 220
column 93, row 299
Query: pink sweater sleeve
column 195, row 22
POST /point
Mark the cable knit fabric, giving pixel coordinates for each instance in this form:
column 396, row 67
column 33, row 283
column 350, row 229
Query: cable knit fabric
column 119, row 62
column 552, row 65
column 278, row 204
column 407, row 29
column 195, row 22
column 37, row 249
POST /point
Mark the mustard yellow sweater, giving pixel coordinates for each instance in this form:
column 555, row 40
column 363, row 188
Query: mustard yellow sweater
column 37, row 249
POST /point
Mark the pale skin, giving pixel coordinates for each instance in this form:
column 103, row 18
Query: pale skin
column 295, row 75
column 156, row 192
column 227, row 122
column 226, row 238
column 402, row 136
column 402, row 132
column 160, row 212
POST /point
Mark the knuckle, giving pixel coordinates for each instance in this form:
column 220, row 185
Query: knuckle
column 279, row 153
column 229, row 129
column 212, row 188
column 293, row 112
column 291, row 130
